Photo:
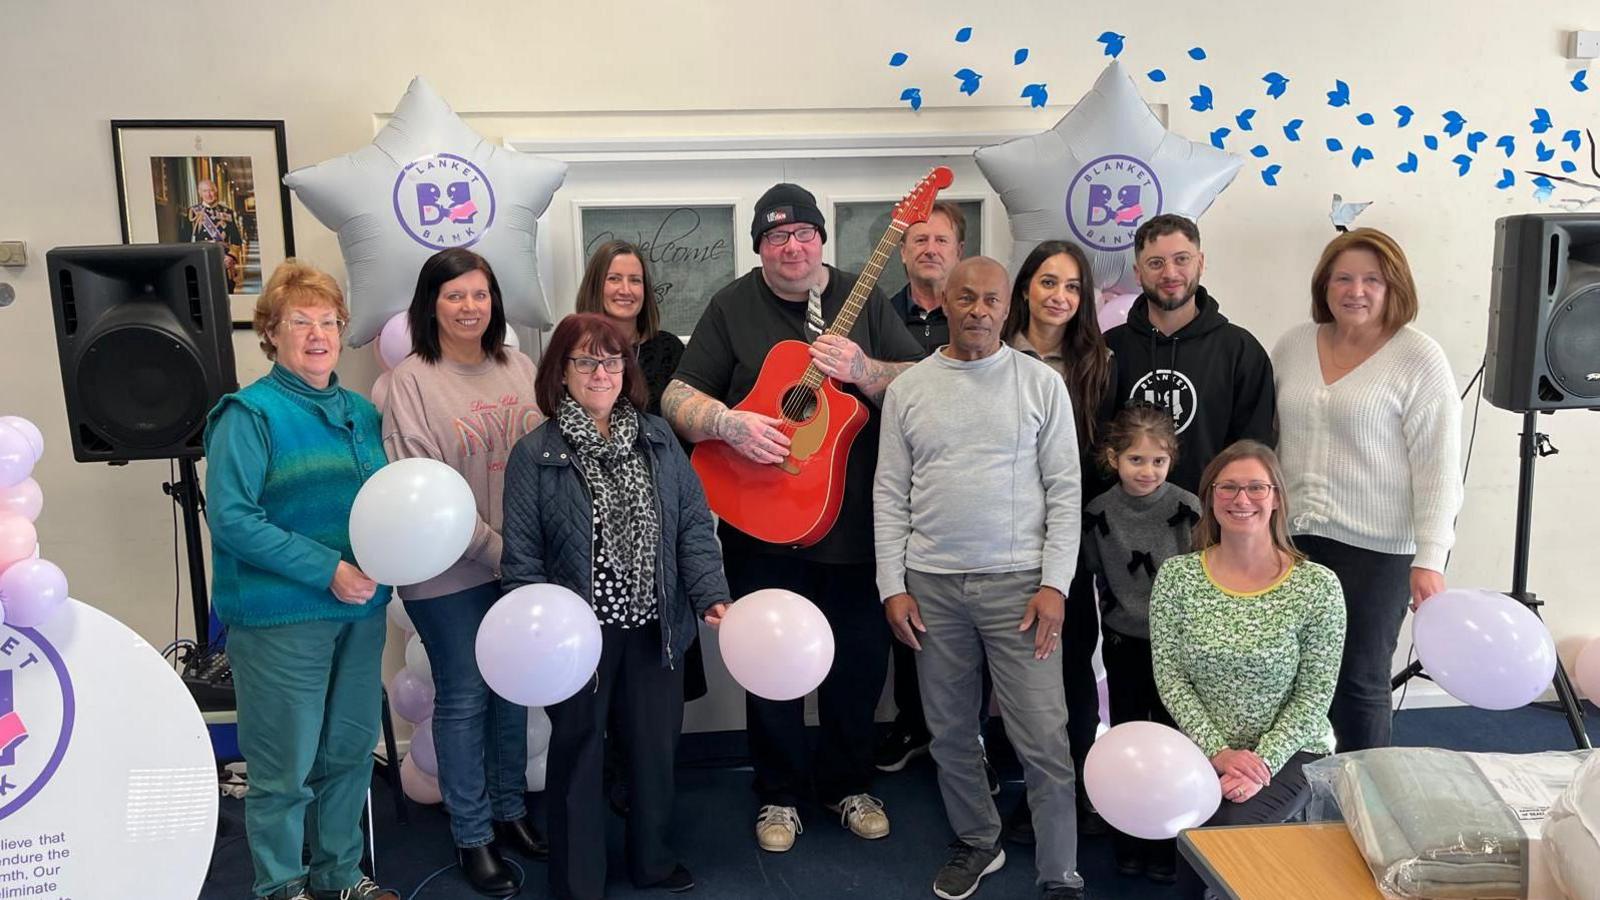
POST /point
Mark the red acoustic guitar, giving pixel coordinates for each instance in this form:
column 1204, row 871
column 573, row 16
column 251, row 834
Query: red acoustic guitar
column 796, row 502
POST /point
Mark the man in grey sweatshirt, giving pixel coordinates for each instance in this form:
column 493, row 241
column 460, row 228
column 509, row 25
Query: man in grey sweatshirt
column 976, row 520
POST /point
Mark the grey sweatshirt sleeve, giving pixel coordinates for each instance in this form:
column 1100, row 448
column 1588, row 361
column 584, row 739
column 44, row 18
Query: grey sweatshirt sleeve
column 1063, row 489
column 891, row 499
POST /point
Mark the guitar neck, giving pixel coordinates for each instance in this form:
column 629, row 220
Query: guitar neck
column 846, row 319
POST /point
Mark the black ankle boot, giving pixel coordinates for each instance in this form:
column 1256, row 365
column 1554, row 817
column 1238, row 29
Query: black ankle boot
column 486, row 871
column 521, row 836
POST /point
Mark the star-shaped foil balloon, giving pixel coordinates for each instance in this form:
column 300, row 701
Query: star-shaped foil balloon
column 426, row 183
column 1105, row 168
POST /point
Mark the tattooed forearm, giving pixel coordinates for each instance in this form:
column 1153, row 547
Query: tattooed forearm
column 694, row 415
column 876, row 376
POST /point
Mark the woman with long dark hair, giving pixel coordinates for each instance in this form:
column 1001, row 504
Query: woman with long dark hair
column 1053, row 319
column 617, row 284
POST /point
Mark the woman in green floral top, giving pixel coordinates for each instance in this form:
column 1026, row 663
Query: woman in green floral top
column 1246, row 637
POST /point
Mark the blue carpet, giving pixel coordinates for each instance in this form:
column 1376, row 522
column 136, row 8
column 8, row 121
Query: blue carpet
column 715, row 816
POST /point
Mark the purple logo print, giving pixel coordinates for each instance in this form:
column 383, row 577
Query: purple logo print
column 1108, row 199
column 443, row 201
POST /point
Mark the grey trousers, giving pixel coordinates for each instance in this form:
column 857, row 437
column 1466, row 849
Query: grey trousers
column 968, row 616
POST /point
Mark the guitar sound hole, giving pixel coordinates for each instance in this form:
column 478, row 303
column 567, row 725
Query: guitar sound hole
column 799, row 403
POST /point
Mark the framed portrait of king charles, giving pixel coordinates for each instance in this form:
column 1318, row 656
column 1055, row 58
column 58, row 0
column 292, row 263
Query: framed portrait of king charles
column 180, row 181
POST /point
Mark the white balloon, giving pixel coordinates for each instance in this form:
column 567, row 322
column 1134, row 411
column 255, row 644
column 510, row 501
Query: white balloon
column 512, row 340
column 417, row 658
column 1106, row 167
column 399, row 618
column 538, row 731
column 426, row 183
column 411, row 521
column 536, row 771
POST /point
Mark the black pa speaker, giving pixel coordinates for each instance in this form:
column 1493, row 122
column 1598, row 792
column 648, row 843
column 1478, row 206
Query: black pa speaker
column 1544, row 313
column 145, row 335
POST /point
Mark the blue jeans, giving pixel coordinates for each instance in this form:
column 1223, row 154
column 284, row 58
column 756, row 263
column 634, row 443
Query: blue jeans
column 480, row 738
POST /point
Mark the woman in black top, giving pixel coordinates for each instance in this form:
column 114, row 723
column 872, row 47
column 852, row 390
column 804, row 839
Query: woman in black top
column 617, row 283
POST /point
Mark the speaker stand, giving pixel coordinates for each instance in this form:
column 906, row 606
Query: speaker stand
column 186, row 493
column 1534, row 445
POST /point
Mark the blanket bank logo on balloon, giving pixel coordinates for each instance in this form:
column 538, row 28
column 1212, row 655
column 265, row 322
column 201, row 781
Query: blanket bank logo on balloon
column 1109, row 198
column 36, row 714
column 443, row 201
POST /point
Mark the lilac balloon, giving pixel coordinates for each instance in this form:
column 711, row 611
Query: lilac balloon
column 422, row 751
column 1484, row 648
column 394, row 341
column 411, row 696
column 419, row 785
column 18, row 538
column 23, row 498
column 1103, row 694
column 538, row 645
column 16, row 456
column 1113, row 310
column 32, row 590
column 30, row 431
column 776, row 644
column 1150, row 781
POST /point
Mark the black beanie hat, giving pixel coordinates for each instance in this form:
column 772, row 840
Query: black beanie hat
column 785, row 204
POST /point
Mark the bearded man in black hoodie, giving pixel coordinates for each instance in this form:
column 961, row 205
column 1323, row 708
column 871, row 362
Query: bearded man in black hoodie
column 1177, row 350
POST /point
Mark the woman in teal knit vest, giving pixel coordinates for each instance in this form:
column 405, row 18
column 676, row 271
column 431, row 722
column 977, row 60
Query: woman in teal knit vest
column 1246, row 637
column 285, row 458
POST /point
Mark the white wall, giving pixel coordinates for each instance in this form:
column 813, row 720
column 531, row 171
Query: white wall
column 330, row 69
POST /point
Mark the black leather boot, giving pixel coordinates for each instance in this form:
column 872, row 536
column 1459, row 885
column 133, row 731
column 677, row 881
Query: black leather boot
column 486, row 871
column 521, row 836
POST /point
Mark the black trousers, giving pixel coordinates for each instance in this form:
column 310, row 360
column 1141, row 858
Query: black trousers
column 1080, row 631
column 847, row 594
column 650, row 716
column 1131, row 688
column 1377, row 592
column 1284, row 800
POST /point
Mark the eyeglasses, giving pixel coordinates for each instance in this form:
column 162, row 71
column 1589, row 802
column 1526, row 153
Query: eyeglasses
column 1255, row 490
column 805, row 234
column 303, row 325
column 587, row 364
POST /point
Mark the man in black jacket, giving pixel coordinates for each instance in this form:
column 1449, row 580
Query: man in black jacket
column 1177, row 350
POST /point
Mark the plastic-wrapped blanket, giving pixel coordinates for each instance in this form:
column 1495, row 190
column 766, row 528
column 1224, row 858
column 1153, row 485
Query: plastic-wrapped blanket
column 1439, row 824
column 1572, row 835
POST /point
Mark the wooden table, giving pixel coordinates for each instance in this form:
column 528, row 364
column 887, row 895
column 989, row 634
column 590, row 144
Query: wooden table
column 1270, row 862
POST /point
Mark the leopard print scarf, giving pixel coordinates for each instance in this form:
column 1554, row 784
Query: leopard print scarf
column 623, row 494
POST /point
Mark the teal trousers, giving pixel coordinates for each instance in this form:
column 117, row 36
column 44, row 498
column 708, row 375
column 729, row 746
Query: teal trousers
column 309, row 698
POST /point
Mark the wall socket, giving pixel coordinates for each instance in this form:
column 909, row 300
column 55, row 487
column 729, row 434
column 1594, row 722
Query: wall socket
column 13, row 253
column 1584, row 45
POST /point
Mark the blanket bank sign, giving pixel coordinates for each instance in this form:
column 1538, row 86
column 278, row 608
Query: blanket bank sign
column 106, row 773
column 36, row 713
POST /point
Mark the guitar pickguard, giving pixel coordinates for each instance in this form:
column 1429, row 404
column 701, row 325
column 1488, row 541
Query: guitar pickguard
column 807, row 438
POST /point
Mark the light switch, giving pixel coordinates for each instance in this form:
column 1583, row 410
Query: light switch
column 1584, row 45
column 13, row 253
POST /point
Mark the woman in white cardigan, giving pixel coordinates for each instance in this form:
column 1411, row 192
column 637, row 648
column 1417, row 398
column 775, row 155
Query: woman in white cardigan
column 1370, row 429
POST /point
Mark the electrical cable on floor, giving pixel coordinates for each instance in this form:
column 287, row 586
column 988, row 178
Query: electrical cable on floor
column 521, row 877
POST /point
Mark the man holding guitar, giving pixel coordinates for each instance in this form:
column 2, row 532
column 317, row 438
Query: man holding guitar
column 794, row 296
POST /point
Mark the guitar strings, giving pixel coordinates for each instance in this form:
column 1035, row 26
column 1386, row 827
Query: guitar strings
column 795, row 406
